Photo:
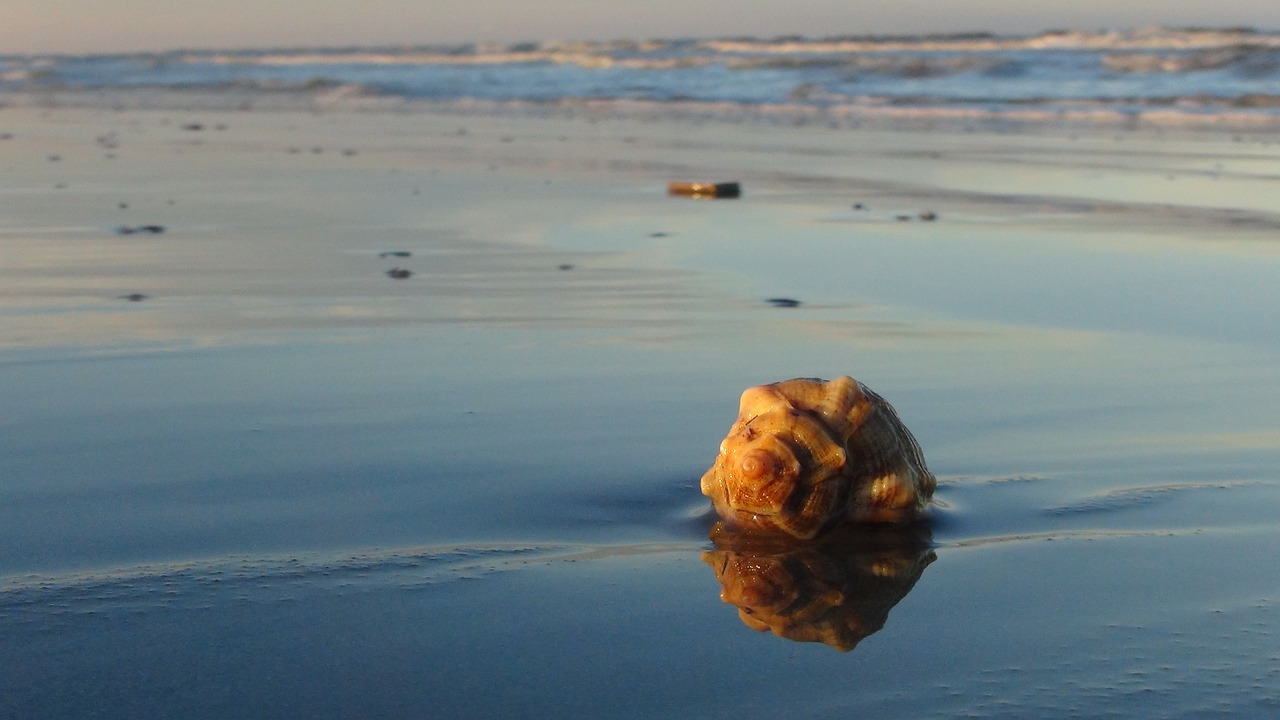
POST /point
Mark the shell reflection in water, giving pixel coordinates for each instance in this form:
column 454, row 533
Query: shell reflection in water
column 806, row 455
column 836, row 591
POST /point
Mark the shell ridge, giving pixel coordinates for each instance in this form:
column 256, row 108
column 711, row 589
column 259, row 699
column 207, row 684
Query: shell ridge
column 760, row 400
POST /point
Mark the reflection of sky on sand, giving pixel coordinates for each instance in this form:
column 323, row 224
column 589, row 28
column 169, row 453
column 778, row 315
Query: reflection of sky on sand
column 1219, row 174
column 324, row 438
column 237, row 258
column 998, row 341
column 1117, row 280
column 1095, row 385
column 1049, row 625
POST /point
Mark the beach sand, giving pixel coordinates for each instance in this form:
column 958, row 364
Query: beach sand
column 399, row 414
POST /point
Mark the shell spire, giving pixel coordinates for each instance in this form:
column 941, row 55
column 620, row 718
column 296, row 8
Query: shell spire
column 807, row 454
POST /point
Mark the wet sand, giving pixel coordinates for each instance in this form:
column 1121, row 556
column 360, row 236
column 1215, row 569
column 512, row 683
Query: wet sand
column 402, row 414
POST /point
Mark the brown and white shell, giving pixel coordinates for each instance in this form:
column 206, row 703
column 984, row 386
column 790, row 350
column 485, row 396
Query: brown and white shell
column 805, row 455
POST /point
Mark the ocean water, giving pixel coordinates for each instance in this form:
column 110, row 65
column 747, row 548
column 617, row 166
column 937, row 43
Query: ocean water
column 287, row 485
column 1161, row 75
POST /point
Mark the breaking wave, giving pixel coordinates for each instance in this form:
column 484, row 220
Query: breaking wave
column 1159, row 74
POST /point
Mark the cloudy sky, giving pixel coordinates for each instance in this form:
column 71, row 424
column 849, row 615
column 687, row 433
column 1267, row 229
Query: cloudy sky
column 78, row 26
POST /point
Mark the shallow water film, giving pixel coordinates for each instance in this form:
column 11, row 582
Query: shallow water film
column 249, row 471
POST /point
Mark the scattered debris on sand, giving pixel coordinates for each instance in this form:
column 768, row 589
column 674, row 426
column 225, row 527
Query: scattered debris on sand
column 705, row 190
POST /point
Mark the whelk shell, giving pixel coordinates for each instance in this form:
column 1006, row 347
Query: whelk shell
column 806, row 455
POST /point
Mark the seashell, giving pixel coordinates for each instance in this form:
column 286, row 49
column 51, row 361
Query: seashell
column 836, row 591
column 805, row 455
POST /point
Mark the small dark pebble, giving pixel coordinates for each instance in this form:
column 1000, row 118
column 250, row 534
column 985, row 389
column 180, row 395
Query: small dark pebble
column 564, row 266
column 123, row 206
column 928, row 216
column 134, row 297
column 659, row 234
column 782, row 302
column 6, row 136
column 395, row 253
column 348, row 152
column 55, row 158
column 193, row 127
column 904, row 218
column 399, row 273
column 859, row 206
column 148, row 229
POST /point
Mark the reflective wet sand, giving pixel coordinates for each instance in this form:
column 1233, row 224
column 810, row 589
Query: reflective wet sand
column 284, row 483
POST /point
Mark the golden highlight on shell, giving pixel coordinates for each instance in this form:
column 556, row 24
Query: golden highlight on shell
column 806, row 455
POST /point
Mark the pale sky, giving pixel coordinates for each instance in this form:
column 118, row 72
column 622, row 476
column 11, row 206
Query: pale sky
column 82, row 26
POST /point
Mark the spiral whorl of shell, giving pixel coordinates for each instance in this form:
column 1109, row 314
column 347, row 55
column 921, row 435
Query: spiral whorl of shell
column 807, row 454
